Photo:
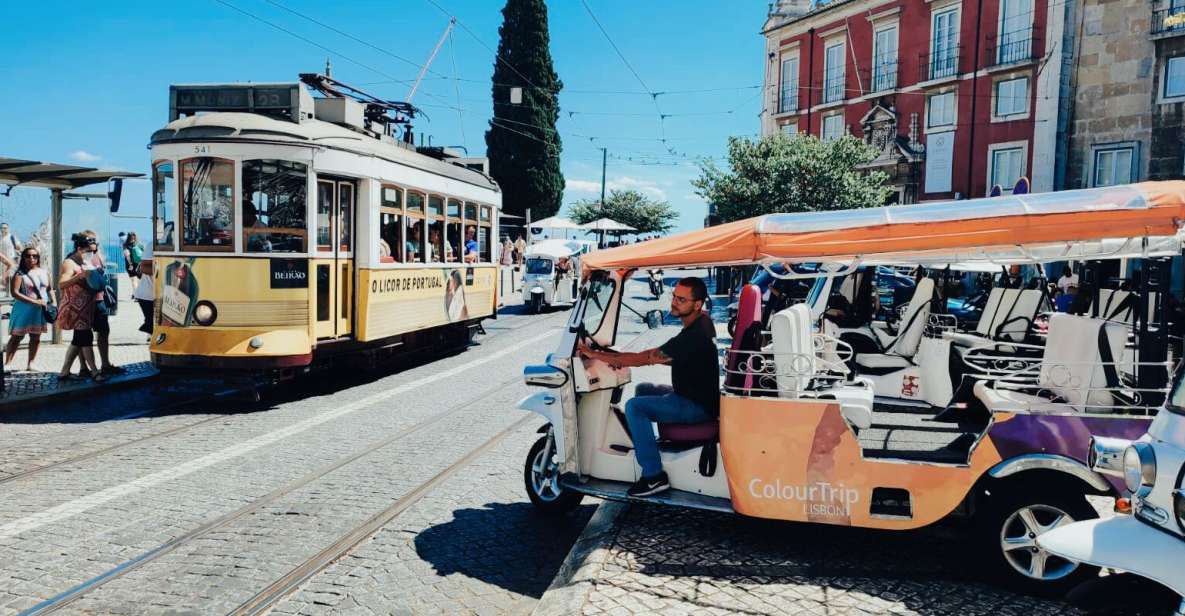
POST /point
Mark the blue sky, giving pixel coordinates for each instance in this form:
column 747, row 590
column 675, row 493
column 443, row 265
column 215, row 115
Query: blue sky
column 87, row 82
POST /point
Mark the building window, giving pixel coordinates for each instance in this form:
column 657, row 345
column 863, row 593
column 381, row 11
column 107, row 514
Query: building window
column 1113, row 165
column 790, row 129
column 1016, row 32
column 884, row 59
column 1007, row 166
column 1012, row 97
column 275, row 205
column 1174, row 77
column 832, row 127
column 940, row 111
column 944, row 43
column 788, row 97
column 207, row 204
column 833, row 73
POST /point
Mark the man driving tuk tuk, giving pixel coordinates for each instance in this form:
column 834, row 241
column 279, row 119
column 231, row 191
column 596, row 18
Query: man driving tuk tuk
column 692, row 396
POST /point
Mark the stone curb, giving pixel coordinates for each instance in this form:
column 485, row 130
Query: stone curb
column 570, row 588
column 25, row 401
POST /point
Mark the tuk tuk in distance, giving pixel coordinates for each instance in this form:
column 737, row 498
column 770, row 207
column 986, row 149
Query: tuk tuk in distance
column 552, row 272
column 800, row 438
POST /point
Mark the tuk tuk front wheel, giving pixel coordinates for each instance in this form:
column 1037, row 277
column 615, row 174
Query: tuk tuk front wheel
column 541, row 474
column 1008, row 528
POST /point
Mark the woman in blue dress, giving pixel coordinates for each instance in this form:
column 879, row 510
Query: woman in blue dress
column 30, row 288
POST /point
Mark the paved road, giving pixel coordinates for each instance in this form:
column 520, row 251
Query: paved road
column 360, row 493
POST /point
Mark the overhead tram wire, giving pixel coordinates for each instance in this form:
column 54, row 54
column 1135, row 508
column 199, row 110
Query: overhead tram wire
column 653, row 94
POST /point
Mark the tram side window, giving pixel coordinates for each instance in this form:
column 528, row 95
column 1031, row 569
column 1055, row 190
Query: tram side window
column 454, row 232
column 207, row 204
column 392, row 243
column 485, row 235
column 436, row 246
column 274, row 205
column 164, row 208
column 415, row 221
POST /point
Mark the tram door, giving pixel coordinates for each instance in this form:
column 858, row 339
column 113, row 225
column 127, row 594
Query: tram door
column 334, row 261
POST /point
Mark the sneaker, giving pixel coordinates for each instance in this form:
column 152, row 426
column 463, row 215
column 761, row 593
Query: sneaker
column 647, row 486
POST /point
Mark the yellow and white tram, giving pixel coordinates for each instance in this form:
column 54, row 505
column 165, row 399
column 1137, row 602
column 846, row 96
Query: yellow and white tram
column 290, row 229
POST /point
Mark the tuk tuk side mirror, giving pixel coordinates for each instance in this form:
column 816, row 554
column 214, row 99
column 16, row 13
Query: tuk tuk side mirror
column 654, row 319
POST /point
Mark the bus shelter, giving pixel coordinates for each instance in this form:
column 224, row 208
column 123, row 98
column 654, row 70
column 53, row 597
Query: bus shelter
column 59, row 179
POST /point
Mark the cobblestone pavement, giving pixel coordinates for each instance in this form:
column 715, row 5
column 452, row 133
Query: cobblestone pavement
column 197, row 509
column 675, row 561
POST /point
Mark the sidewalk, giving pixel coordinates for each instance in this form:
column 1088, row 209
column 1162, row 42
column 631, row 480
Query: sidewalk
column 129, row 348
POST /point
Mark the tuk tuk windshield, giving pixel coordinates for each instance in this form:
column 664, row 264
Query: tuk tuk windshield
column 538, row 267
column 1176, row 401
column 599, row 294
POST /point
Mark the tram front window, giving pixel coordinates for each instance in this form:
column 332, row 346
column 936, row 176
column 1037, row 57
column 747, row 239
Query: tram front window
column 274, row 208
column 164, row 200
column 207, row 204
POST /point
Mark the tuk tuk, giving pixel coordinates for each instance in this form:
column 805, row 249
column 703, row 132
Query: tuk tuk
column 552, row 273
column 801, row 438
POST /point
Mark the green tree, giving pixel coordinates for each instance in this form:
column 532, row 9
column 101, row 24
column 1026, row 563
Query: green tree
column 628, row 207
column 780, row 173
column 522, row 143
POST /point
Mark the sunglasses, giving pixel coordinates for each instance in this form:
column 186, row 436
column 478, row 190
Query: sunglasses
column 32, row 256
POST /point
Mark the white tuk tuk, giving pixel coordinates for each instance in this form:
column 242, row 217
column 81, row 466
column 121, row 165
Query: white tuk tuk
column 801, row 438
column 552, row 272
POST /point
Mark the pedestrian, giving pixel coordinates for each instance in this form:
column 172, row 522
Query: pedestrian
column 1068, row 278
column 520, row 247
column 77, row 309
column 144, row 294
column 101, row 324
column 34, row 299
column 133, row 253
column 507, row 251
column 10, row 247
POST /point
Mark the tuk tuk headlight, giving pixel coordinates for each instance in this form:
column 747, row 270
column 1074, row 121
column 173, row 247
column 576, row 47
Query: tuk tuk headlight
column 204, row 313
column 1106, row 455
column 1139, row 469
column 1179, row 507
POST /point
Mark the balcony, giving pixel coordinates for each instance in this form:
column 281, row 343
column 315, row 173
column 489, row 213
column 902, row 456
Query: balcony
column 884, row 73
column 939, row 64
column 788, row 98
column 1015, row 47
column 1169, row 21
column 833, row 89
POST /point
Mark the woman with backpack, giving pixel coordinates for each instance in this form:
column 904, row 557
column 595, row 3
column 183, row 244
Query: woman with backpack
column 133, row 253
column 34, row 306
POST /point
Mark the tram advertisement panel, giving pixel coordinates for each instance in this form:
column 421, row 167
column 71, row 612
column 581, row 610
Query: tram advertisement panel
column 253, row 293
column 403, row 300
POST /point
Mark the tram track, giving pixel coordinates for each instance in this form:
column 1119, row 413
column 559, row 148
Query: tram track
column 518, row 322
column 71, row 595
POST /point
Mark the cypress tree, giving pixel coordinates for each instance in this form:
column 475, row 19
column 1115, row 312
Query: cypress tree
column 522, row 143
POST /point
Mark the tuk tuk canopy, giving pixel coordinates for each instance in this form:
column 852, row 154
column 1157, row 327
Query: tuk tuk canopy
column 1030, row 228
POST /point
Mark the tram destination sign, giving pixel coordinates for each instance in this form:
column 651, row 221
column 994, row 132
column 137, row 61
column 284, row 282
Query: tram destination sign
column 270, row 99
column 289, row 273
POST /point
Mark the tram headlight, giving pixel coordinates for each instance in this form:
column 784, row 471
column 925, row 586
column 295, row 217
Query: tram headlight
column 204, row 313
column 1139, row 468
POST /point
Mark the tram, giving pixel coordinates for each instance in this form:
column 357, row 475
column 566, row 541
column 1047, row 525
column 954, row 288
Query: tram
column 290, row 230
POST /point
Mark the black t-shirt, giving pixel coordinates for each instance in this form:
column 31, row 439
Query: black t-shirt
column 695, row 369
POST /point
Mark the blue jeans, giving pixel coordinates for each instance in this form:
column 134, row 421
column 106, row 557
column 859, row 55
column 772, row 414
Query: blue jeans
column 656, row 403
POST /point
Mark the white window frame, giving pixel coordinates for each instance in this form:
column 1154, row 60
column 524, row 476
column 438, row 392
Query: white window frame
column 823, row 126
column 954, row 113
column 843, row 78
column 782, row 86
column 1132, row 147
column 1023, row 146
column 1018, row 115
column 1163, row 94
column 957, row 10
column 876, row 56
column 1001, row 34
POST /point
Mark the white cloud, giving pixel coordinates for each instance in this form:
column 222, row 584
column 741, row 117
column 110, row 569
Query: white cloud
column 646, row 187
column 83, row 156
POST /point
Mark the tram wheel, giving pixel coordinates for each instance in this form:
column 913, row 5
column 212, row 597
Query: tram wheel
column 541, row 474
column 1008, row 528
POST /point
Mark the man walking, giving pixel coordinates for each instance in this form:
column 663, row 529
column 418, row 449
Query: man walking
column 694, row 394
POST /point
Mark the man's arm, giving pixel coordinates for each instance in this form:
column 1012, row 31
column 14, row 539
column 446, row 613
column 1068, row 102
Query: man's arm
column 626, row 360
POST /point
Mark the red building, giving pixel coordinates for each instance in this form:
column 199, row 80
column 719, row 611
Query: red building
column 958, row 95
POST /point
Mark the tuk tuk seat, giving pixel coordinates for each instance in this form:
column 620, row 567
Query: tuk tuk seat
column 704, row 431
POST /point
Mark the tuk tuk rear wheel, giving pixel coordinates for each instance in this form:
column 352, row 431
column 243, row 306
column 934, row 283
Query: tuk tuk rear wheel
column 541, row 477
column 1008, row 527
